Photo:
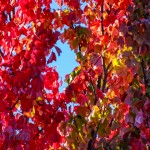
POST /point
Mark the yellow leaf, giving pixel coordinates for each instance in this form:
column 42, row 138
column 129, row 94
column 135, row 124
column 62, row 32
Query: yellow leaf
column 127, row 48
column 83, row 49
column 115, row 62
column 39, row 98
column 96, row 112
column 73, row 146
column 66, row 11
column 18, row 104
column 33, row 111
column 111, row 94
column 80, row 135
column 30, row 114
column 28, row 44
column 95, row 108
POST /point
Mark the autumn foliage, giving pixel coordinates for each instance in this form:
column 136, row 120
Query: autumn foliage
column 106, row 105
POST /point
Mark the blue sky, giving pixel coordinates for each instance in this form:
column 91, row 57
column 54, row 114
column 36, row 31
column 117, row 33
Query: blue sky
column 66, row 61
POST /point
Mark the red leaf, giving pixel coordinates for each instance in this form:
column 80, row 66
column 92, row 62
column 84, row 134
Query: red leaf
column 58, row 50
column 26, row 104
column 2, row 106
column 137, row 144
column 73, row 3
column 59, row 117
column 81, row 99
column 6, row 63
column 59, row 2
column 143, row 88
column 145, row 133
column 99, row 2
column 100, row 94
column 139, row 119
column 21, row 121
column 1, row 127
column 51, row 58
column 109, row 20
column 50, row 81
column 55, row 136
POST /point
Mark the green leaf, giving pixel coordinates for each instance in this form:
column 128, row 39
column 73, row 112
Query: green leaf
column 90, row 88
column 135, row 100
column 75, row 43
column 148, row 90
column 80, row 121
column 78, row 70
column 79, row 56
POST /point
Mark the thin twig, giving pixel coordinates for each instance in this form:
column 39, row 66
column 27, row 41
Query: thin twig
column 104, row 74
column 99, row 81
column 56, row 109
column 14, row 104
column 95, row 101
column 38, row 133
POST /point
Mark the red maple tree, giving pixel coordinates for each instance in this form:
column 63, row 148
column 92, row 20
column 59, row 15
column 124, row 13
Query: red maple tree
column 106, row 104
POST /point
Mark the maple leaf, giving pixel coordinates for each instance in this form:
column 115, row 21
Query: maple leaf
column 50, row 80
column 51, row 58
column 2, row 106
column 143, row 88
column 26, row 104
column 81, row 99
column 109, row 20
column 109, row 38
column 20, row 122
column 100, row 94
column 73, row 3
column 59, row 2
column 139, row 119
column 145, row 133
column 147, row 107
column 99, row 2
column 59, row 117
column 137, row 144
column 58, row 50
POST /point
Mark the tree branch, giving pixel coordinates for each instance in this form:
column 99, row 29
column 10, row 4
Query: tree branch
column 108, row 66
column 99, row 82
column 93, row 132
column 37, row 134
column 92, row 141
column 105, row 70
column 56, row 109
column 14, row 104
column 95, row 100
